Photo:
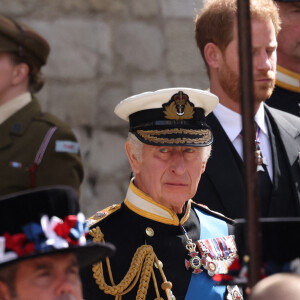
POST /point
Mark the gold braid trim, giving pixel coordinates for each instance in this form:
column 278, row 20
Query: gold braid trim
column 141, row 267
column 152, row 136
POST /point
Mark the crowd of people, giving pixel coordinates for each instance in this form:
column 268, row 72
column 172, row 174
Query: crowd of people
column 173, row 234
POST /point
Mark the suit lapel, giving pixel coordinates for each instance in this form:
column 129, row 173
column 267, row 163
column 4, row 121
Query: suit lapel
column 288, row 133
column 223, row 169
column 290, row 137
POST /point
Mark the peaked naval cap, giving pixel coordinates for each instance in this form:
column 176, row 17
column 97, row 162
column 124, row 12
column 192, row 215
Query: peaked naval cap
column 169, row 117
column 45, row 221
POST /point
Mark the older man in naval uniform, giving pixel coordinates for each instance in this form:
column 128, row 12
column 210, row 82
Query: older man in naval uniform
column 168, row 247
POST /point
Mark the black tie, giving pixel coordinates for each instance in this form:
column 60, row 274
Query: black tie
column 264, row 181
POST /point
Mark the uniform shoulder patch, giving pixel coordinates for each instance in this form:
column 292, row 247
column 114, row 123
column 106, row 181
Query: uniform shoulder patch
column 102, row 214
column 67, row 146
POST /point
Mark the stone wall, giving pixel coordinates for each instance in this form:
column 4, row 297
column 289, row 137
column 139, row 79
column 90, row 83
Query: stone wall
column 103, row 51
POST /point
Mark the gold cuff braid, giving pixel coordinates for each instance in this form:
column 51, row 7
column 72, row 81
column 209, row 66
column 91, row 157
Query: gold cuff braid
column 141, row 267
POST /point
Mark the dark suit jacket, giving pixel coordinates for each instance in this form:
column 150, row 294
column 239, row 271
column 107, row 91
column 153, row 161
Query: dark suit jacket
column 285, row 100
column 21, row 137
column 221, row 187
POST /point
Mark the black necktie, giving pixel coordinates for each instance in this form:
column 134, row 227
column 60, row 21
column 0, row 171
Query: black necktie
column 264, row 181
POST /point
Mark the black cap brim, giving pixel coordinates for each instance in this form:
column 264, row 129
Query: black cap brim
column 86, row 255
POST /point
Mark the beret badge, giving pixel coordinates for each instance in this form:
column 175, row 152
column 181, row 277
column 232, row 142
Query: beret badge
column 179, row 107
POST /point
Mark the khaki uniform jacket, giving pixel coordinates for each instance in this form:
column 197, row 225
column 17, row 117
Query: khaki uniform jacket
column 31, row 136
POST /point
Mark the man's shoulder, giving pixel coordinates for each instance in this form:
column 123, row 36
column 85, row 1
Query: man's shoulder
column 51, row 120
column 213, row 213
column 102, row 215
column 280, row 114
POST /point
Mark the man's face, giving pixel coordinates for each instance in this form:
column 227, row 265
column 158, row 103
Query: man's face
column 169, row 175
column 289, row 36
column 264, row 62
column 6, row 75
column 53, row 277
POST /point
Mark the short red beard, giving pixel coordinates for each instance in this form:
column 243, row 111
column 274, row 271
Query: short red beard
column 230, row 83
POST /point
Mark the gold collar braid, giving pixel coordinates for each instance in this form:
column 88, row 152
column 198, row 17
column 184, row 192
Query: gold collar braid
column 141, row 267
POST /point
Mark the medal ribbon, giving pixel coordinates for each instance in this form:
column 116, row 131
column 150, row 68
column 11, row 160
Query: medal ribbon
column 202, row 286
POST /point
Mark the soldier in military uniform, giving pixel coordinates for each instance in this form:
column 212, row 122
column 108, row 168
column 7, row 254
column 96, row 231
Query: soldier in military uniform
column 43, row 245
column 36, row 148
column 286, row 95
column 168, row 247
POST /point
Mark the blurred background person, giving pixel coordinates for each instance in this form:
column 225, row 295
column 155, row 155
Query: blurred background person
column 286, row 95
column 277, row 287
column 36, row 148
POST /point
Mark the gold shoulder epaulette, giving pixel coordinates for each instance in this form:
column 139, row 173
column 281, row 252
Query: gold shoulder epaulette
column 102, row 214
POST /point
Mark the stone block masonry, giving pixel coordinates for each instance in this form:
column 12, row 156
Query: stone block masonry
column 103, row 51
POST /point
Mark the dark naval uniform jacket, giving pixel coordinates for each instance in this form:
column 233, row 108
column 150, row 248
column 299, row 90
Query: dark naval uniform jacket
column 37, row 149
column 221, row 186
column 140, row 222
column 286, row 95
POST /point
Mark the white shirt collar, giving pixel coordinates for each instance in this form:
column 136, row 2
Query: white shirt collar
column 230, row 120
column 260, row 119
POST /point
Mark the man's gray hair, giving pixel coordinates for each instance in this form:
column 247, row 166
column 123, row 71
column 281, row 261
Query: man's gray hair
column 206, row 152
column 137, row 148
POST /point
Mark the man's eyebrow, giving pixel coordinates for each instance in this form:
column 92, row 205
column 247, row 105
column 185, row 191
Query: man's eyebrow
column 74, row 262
column 42, row 265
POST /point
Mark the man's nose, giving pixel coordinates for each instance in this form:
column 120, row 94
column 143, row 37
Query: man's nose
column 66, row 297
column 264, row 62
column 178, row 163
column 66, row 289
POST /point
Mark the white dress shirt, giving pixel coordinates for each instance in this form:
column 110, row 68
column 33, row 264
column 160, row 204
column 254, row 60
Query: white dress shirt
column 232, row 125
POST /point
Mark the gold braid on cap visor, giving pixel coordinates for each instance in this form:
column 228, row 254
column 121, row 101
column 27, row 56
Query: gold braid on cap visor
column 152, row 136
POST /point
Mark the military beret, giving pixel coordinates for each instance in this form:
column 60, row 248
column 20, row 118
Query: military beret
column 19, row 38
column 169, row 117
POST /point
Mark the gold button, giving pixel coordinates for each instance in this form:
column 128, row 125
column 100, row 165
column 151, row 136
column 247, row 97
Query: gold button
column 246, row 258
column 150, row 231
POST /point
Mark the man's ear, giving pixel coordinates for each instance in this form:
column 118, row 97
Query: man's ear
column 133, row 160
column 212, row 54
column 203, row 167
column 4, row 291
column 20, row 73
